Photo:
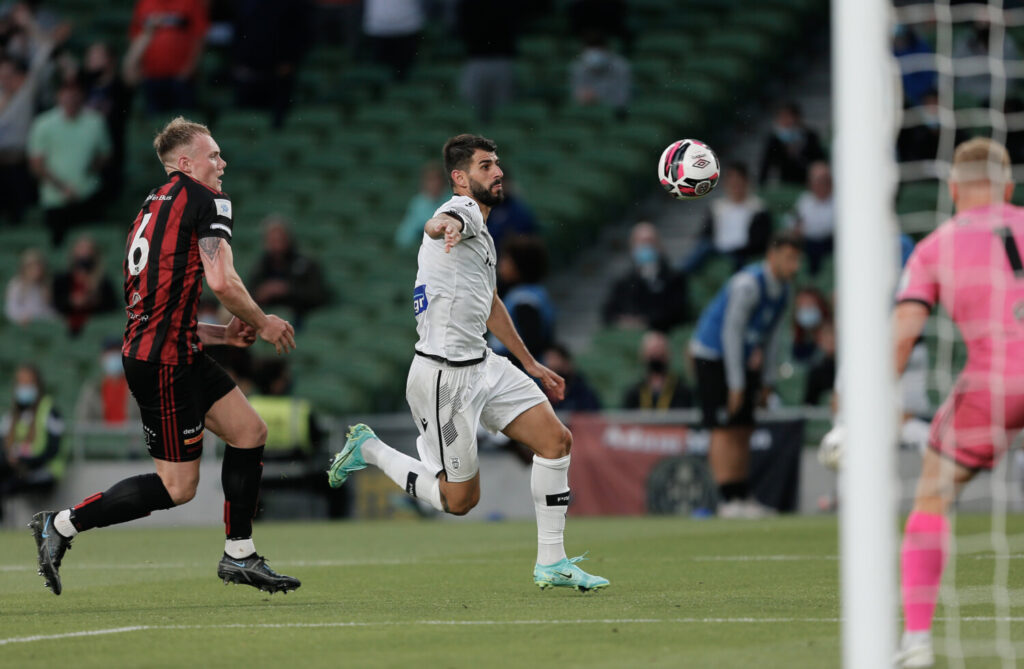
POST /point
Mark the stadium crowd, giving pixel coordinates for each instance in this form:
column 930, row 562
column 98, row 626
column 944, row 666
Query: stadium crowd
column 69, row 102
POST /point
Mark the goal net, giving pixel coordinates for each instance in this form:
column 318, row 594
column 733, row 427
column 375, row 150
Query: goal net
column 955, row 71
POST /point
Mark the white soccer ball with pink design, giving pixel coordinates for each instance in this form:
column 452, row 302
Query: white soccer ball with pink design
column 688, row 169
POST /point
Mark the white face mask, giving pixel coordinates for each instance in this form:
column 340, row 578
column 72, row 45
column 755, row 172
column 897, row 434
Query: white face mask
column 596, row 59
column 26, row 394
column 808, row 317
column 112, row 365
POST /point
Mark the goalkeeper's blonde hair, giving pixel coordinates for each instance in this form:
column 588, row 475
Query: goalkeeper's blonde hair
column 981, row 159
column 177, row 133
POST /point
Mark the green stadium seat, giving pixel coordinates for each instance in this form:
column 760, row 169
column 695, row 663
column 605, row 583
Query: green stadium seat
column 780, row 198
column 530, row 115
column 920, row 196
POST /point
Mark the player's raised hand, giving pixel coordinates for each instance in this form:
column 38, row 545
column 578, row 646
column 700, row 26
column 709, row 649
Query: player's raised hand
column 552, row 384
column 452, row 235
column 239, row 333
column 278, row 332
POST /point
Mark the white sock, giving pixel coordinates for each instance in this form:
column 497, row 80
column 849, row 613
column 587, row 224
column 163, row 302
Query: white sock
column 918, row 638
column 408, row 473
column 549, row 484
column 62, row 523
column 239, row 548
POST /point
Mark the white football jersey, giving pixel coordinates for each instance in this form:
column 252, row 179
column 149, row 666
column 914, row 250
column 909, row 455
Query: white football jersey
column 454, row 291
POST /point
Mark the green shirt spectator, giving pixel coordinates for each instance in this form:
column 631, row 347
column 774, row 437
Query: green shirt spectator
column 422, row 206
column 71, row 148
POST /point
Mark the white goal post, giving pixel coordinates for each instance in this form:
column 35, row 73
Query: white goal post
column 865, row 99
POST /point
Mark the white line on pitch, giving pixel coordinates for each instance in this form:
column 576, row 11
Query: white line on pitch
column 467, row 623
column 386, row 623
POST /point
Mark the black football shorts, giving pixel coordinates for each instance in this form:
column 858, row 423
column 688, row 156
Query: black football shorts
column 173, row 401
column 713, row 394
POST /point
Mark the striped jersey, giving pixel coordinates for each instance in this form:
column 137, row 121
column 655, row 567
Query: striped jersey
column 163, row 274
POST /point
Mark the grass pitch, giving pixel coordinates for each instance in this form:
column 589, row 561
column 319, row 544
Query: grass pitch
column 683, row 593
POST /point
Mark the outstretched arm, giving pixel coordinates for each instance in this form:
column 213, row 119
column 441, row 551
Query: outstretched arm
column 445, row 226
column 225, row 283
column 501, row 326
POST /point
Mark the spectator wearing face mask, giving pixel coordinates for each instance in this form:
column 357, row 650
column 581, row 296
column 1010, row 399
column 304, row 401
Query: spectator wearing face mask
column 651, row 295
column 107, row 399
column 84, row 289
column 33, row 432
column 919, row 140
column 821, row 377
column 790, row 149
column 579, row 396
column 599, row 76
column 811, row 311
column 660, row 388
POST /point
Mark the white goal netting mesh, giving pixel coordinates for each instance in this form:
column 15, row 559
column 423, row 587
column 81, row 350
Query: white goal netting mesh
column 962, row 66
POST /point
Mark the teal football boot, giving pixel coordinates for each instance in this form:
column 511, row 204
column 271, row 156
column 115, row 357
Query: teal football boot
column 350, row 459
column 565, row 574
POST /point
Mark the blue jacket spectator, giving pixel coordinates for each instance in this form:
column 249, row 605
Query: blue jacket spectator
column 521, row 267
column 910, row 50
column 511, row 217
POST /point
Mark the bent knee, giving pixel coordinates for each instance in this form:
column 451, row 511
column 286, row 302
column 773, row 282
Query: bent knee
column 259, row 435
column 181, row 492
column 462, row 504
column 559, row 447
column 254, row 434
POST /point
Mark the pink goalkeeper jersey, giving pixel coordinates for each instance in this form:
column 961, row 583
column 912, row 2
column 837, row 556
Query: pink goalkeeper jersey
column 972, row 266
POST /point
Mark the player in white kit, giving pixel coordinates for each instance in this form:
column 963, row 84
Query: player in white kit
column 455, row 382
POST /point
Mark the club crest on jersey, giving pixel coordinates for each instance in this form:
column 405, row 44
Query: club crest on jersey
column 223, row 207
column 455, row 463
column 419, row 299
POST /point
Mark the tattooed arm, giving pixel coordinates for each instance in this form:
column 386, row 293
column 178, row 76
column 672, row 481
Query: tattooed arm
column 218, row 263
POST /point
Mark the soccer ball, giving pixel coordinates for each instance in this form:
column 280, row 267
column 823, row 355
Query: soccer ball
column 688, row 169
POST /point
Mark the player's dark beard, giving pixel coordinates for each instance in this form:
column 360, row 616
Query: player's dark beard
column 484, row 195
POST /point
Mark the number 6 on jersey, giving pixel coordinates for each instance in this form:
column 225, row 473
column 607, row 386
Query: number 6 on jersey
column 138, row 252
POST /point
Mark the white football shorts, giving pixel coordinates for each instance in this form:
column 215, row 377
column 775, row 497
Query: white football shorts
column 449, row 402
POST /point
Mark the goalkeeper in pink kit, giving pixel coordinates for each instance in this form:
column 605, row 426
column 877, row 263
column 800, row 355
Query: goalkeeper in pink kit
column 972, row 266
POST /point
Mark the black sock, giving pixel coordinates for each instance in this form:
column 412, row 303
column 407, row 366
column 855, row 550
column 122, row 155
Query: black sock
column 126, row 500
column 240, row 474
column 734, row 490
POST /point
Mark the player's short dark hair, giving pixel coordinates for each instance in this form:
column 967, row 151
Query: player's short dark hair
column 786, row 238
column 459, row 150
column 529, row 256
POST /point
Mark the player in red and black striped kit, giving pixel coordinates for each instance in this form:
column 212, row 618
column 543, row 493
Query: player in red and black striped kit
column 181, row 234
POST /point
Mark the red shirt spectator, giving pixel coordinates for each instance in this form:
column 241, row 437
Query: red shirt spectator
column 179, row 29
